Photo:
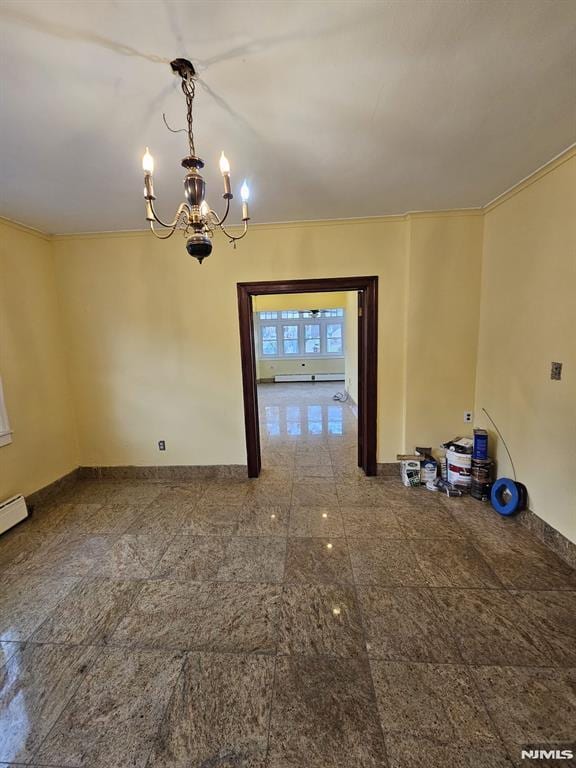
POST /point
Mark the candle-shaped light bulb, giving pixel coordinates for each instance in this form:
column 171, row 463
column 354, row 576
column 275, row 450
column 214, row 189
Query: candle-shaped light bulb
column 204, row 208
column 148, row 162
column 224, row 165
column 245, row 195
column 225, row 171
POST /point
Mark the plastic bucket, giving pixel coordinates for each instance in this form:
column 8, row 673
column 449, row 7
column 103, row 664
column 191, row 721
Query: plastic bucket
column 459, row 469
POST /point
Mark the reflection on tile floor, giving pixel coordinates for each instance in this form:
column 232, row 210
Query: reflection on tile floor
column 311, row 618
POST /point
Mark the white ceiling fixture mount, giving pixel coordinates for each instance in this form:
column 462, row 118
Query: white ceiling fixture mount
column 194, row 217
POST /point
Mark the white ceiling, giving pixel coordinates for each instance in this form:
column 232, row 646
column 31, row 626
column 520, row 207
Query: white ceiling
column 330, row 109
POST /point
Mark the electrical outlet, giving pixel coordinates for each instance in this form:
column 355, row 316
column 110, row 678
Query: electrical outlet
column 556, row 371
column 161, row 445
column 468, row 417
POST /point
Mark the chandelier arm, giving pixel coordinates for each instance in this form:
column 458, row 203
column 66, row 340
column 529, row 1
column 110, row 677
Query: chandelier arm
column 233, row 238
column 162, row 237
column 219, row 221
column 182, row 208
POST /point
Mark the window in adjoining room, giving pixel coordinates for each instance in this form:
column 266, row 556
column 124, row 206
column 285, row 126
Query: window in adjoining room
column 293, row 333
column 5, row 431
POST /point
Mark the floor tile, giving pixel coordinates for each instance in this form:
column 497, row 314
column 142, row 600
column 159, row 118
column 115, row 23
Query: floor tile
column 367, row 522
column 193, row 558
column 36, row 683
column 320, row 619
column 112, row 719
column 25, row 601
column 217, row 617
column 237, row 618
column 553, row 614
column 524, row 563
column 141, row 494
column 452, row 563
column 218, row 714
column 268, row 520
column 431, row 701
column 408, row 752
column 316, row 521
column 491, row 628
column 88, row 613
column 318, row 560
column 218, row 558
column 314, row 472
column 314, row 493
column 132, row 556
column 101, row 518
column 386, row 562
column 18, row 544
column 530, row 706
column 254, row 559
column 63, row 555
column 211, row 519
column 8, row 649
column 270, row 494
column 428, row 523
column 324, row 715
column 404, row 624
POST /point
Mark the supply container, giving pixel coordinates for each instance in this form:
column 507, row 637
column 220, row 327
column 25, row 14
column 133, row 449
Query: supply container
column 410, row 472
column 480, row 451
column 459, row 469
column 482, row 473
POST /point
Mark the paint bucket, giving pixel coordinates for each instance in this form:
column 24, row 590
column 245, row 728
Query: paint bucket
column 459, row 467
column 481, row 483
column 480, row 450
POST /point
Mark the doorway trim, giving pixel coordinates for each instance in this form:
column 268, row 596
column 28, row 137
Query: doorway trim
column 367, row 288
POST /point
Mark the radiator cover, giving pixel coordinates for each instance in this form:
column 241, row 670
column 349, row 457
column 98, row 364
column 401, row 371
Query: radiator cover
column 12, row 511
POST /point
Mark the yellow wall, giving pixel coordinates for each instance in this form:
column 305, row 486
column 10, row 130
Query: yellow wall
column 266, row 368
column 153, row 336
column 528, row 320
column 442, row 313
column 351, row 348
column 33, row 366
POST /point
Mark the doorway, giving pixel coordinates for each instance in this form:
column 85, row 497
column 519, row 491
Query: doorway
column 367, row 290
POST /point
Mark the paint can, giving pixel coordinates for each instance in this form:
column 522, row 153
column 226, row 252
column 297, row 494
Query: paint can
column 480, row 450
column 459, row 466
column 481, row 482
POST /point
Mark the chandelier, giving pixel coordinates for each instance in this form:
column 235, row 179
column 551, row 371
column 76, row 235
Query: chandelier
column 194, row 217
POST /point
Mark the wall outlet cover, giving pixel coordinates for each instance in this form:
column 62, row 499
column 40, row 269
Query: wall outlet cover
column 161, row 445
column 556, row 371
column 468, row 417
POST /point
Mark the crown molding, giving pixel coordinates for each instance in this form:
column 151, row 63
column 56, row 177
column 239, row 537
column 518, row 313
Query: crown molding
column 532, row 178
column 11, row 224
column 561, row 158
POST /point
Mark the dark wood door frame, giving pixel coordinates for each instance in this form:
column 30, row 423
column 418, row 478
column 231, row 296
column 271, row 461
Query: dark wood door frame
column 367, row 288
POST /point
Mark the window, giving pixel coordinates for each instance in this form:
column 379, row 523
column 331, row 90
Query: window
column 269, row 340
column 294, row 333
column 312, row 339
column 290, row 338
column 334, row 338
column 5, row 431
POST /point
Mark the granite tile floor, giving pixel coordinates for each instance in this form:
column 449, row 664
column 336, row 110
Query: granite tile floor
column 312, row 618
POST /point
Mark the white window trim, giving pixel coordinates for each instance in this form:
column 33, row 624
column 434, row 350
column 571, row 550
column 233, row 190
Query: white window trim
column 5, row 431
column 301, row 322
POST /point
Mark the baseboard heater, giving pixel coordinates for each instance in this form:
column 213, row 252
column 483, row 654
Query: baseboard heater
column 309, row 377
column 12, row 511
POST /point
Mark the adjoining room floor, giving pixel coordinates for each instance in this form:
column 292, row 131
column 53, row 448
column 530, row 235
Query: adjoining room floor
column 312, row 618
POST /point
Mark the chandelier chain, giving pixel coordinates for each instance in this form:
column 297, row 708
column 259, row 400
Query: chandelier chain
column 189, row 88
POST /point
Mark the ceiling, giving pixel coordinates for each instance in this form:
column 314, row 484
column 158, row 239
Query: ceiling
column 329, row 109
